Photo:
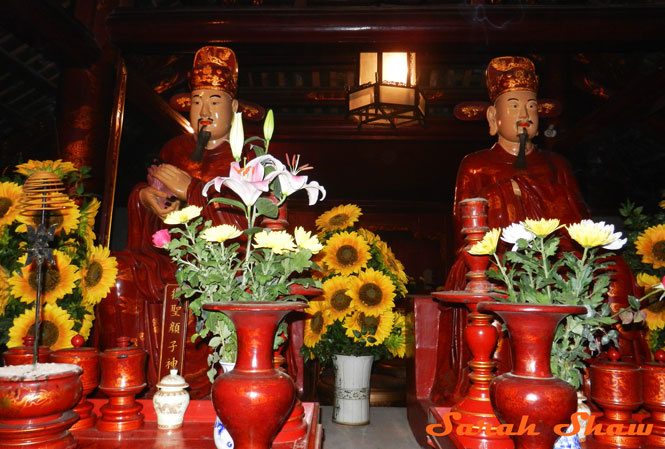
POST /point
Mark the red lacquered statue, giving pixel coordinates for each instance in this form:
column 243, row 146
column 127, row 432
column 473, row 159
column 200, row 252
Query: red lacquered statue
column 134, row 306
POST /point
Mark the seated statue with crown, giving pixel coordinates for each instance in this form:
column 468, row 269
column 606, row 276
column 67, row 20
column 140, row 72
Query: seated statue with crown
column 134, row 307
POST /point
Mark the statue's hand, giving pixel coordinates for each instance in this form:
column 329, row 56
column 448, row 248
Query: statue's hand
column 174, row 179
column 151, row 198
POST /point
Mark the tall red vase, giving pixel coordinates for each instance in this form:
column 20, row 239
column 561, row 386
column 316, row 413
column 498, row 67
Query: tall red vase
column 254, row 399
column 530, row 391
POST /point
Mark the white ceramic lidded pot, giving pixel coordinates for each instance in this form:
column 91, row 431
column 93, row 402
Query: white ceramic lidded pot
column 171, row 401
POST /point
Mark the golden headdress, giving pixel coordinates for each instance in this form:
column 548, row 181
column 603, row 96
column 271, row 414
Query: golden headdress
column 215, row 68
column 508, row 73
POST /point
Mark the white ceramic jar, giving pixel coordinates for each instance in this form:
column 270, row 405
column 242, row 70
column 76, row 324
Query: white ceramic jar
column 171, row 401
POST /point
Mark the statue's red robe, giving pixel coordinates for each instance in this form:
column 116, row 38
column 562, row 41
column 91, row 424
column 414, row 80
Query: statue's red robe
column 134, row 306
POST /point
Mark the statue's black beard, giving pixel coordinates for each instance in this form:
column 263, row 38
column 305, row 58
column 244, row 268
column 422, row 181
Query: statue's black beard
column 520, row 160
column 201, row 142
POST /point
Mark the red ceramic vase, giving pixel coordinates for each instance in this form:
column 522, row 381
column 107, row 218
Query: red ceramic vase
column 530, row 391
column 254, row 399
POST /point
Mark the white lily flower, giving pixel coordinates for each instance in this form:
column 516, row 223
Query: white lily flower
column 237, row 136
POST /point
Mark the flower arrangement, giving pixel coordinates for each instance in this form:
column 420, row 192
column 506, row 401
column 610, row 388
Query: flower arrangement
column 224, row 263
column 535, row 270
column 82, row 273
column 646, row 257
column 361, row 280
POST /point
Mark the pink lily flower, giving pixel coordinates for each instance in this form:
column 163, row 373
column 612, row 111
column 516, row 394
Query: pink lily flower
column 250, row 181
column 290, row 182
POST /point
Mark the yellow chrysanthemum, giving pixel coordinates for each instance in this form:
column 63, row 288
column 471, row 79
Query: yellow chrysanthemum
column 346, row 253
column 369, row 236
column 58, row 167
column 66, row 220
column 317, row 321
column 305, row 240
column 590, row 234
column 651, row 246
column 58, row 280
column 542, row 227
column 56, row 328
column 4, row 290
column 373, row 292
column 183, row 215
column 487, row 246
column 87, row 221
column 377, row 328
column 647, row 280
column 279, row 242
column 340, row 217
column 221, row 233
column 335, row 291
column 98, row 276
column 391, row 261
column 10, row 195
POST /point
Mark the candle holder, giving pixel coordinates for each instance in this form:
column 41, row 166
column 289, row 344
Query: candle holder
column 617, row 389
column 481, row 336
column 88, row 360
column 123, row 377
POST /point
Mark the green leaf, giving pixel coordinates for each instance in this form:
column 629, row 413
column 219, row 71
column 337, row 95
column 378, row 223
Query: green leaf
column 230, row 202
column 266, row 207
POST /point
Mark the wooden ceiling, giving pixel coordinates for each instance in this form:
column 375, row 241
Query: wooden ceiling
column 603, row 60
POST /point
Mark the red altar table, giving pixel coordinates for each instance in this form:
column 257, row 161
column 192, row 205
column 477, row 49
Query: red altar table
column 196, row 432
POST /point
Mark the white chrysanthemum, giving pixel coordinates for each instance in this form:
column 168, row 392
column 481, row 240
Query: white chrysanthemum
column 305, row 240
column 514, row 232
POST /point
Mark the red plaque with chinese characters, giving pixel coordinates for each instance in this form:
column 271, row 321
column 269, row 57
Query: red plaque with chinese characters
column 174, row 332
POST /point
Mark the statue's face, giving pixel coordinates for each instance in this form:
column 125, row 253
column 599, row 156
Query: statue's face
column 515, row 111
column 213, row 109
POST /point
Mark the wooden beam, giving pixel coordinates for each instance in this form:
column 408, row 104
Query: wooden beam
column 146, row 99
column 630, row 105
column 46, row 24
column 524, row 27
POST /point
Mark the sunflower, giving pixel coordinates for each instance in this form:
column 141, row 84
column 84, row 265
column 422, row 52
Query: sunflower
column 396, row 342
column 4, row 290
column 87, row 221
column 66, row 220
column 10, row 194
column 651, row 246
column 369, row 236
column 373, row 292
column 86, row 325
column 317, row 321
column 335, row 291
column 59, row 280
column 647, row 280
column 346, row 253
column 98, row 275
column 393, row 264
column 373, row 330
column 340, row 217
column 56, row 328
column 487, row 246
column 58, row 167
column 655, row 316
